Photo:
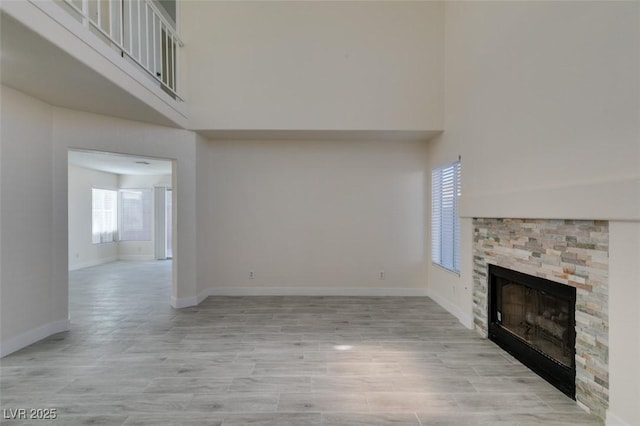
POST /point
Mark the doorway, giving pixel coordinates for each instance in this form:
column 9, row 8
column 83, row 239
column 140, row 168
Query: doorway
column 111, row 222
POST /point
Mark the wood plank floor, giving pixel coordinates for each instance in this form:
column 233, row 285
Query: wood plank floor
column 130, row 359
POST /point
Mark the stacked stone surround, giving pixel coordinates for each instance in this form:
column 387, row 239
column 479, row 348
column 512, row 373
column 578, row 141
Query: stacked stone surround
column 570, row 252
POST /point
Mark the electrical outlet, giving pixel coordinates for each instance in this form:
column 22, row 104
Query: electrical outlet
column 381, row 275
column 252, row 275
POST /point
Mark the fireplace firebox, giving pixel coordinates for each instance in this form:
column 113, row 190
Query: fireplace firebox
column 534, row 320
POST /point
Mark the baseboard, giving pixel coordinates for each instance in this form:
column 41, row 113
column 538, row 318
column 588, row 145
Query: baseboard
column 138, row 257
column 91, row 263
column 32, row 336
column 316, row 291
column 183, row 302
column 202, row 296
column 613, row 420
column 465, row 319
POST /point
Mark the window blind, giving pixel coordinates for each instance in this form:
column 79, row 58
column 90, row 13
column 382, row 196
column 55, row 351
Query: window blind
column 445, row 220
column 104, row 209
column 135, row 215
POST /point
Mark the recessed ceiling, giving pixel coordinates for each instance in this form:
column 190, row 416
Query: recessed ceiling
column 119, row 164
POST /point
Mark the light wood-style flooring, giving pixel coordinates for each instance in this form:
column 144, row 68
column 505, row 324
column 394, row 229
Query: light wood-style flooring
column 130, row 359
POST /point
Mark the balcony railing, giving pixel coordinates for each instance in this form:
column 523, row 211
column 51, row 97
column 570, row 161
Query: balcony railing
column 139, row 31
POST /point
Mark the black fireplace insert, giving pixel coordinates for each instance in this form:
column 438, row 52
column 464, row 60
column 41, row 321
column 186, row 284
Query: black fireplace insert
column 533, row 319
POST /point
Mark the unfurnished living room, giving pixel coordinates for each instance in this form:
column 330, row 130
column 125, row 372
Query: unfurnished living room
column 324, row 213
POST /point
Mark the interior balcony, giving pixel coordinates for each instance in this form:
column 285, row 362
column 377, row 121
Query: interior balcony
column 118, row 58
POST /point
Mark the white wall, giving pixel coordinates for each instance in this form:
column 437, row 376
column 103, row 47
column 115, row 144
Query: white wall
column 34, row 268
column 624, row 324
column 80, row 130
column 141, row 250
column 542, row 102
column 82, row 252
column 315, row 217
column 31, row 306
column 203, row 217
column 314, row 65
column 143, row 181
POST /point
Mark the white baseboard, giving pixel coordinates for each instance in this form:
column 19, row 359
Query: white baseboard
column 465, row 319
column 316, row 291
column 185, row 302
column 90, row 263
column 613, row 420
column 138, row 257
column 25, row 339
column 202, row 296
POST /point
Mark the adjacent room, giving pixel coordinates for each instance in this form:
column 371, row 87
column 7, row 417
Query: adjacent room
column 120, row 237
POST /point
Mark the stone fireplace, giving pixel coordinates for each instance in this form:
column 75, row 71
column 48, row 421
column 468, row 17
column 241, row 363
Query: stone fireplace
column 573, row 253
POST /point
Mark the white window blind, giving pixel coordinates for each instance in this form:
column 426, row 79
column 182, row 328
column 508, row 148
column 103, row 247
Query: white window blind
column 445, row 220
column 135, row 215
column 104, row 208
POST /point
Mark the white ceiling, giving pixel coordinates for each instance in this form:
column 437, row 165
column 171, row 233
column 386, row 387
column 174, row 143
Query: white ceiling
column 119, row 164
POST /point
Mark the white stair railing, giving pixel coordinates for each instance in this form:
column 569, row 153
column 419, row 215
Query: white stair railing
column 139, row 30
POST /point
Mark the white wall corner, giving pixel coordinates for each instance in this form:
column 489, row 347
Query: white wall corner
column 202, row 296
column 185, row 302
column 613, row 420
column 465, row 319
column 32, row 336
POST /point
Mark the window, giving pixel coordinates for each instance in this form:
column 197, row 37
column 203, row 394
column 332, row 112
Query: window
column 135, row 215
column 445, row 221
column 104, row 208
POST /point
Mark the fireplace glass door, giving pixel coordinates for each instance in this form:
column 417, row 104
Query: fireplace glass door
column 540, row 319
column 533, row 319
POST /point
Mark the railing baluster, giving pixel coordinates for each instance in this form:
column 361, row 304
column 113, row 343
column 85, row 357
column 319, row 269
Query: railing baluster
column 173, row 63
column 85, row 13
column 146, row 30
column 121, row 7
column 112, row 28
column 176, row 65
column 155, row 62
column 163, row 68
column 99, row 12
column 165, row 53
column 130, row 28
column 139, row 32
